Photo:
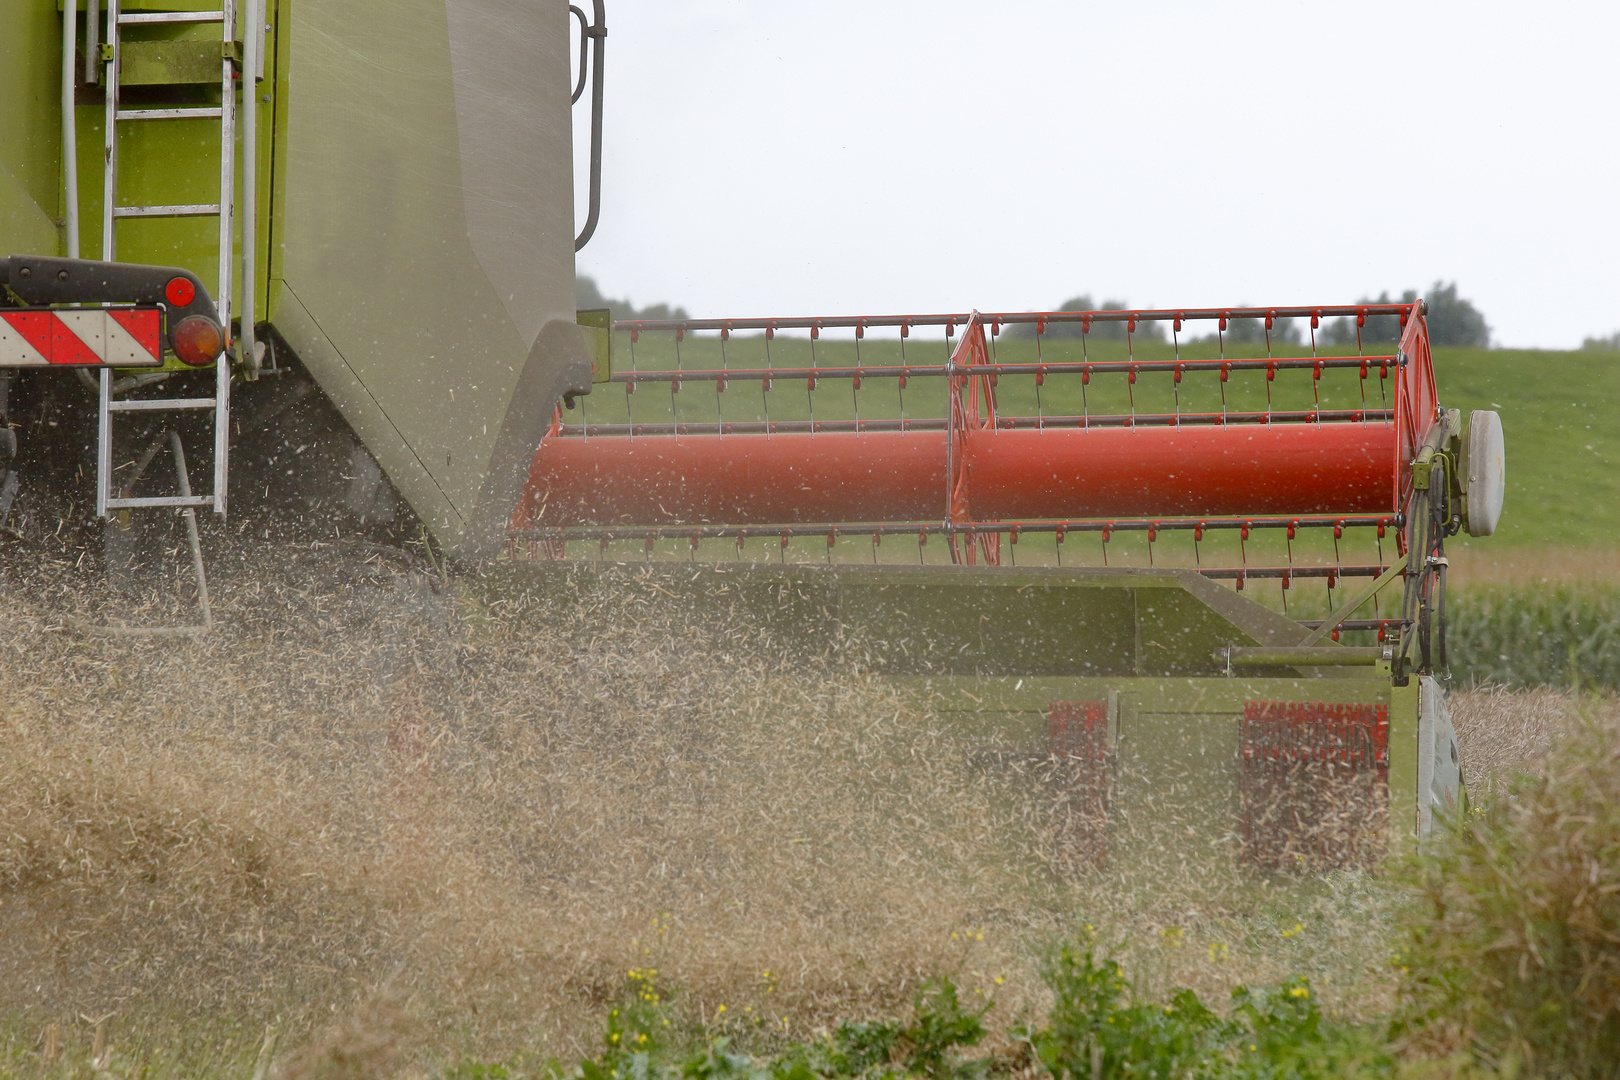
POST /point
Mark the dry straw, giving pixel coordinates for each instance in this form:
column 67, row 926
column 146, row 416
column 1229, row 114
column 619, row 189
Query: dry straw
column 464, row 823
column 1515, row 955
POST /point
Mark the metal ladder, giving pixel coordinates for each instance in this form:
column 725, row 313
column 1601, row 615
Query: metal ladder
column 112, row 213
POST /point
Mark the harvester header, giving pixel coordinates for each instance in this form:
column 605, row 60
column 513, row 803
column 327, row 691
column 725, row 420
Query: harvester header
column 983, row 471
column 1087, row 479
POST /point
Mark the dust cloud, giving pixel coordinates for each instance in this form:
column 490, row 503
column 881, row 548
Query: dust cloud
column 492, row 803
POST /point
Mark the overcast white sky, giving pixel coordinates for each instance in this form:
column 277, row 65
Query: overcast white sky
column 788, row 157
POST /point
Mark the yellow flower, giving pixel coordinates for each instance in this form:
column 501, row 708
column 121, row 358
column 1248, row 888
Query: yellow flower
column 998, row 980
column 1299, row 991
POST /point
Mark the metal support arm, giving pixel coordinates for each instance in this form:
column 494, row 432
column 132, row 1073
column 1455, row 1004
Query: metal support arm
column 597, row 32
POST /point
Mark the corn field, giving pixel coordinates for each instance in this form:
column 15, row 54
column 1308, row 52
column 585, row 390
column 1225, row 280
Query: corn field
column 1527, row 634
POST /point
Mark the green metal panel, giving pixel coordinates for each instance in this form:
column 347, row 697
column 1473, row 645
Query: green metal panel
column 173, row 62
column 172, row 162
column 429, row 236
column 273, row 102
column 30, row 127
column 596, row 324
column 1028, row 622
column 1403, row 766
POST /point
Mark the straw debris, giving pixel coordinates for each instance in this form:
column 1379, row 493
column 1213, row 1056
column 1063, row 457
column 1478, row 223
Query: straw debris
column 398, row 817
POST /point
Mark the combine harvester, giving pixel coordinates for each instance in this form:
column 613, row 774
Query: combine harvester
column 361, row 210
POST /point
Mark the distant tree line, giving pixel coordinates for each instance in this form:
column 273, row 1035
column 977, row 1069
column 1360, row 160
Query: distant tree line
column 1452, row 321
column 588, row 296
column 1101, row 331
column 1603, row 344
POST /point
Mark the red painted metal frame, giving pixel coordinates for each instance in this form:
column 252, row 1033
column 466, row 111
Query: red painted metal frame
column 1003, row 423
column 975, row 475
column 1077, row 736
column 1198, row 526
column 973, row 409
column 1314, row 784
column 912, row 371
column 968, row 474
column 1417, row 403
column 1175, row 316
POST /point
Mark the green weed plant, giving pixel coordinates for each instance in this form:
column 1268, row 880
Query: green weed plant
column 1097, row 1029
column 1516, row 950
column 641, row 1044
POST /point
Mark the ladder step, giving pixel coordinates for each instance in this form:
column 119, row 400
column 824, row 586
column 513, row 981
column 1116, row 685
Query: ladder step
column 161, row 404
column 170, row 17
column 184, row 210
column 168, row 500
column 171, row 114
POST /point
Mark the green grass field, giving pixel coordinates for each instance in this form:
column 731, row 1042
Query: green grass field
column 1561, row 419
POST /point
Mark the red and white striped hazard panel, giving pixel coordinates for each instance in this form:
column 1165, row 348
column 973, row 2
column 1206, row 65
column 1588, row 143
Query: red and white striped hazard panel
column 88, row 338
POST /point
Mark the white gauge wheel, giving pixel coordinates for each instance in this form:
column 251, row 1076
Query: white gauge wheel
column 1486, row 476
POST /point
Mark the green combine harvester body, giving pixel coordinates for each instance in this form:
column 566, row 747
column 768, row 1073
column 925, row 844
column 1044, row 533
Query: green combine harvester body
column 413, row 197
